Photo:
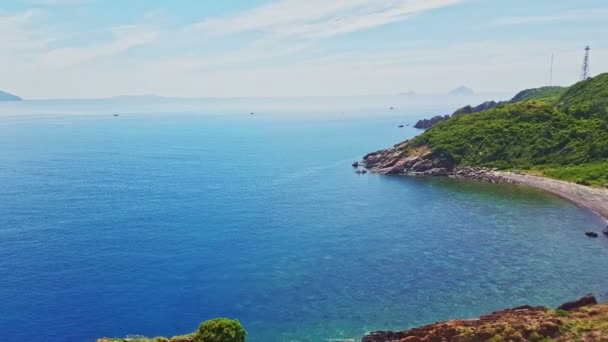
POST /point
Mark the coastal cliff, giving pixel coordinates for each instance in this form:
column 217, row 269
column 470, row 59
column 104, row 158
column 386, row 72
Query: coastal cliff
column 581, row 320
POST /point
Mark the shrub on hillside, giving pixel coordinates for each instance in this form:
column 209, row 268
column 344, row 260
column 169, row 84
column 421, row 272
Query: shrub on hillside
column 220, row 330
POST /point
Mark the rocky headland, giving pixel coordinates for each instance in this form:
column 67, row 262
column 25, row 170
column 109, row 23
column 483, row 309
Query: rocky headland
column 581, row 320
column 422, row 161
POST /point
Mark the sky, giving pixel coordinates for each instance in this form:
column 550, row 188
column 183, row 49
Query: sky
column 263, row 48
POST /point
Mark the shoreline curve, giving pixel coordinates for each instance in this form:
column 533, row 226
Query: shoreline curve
column 594, row 199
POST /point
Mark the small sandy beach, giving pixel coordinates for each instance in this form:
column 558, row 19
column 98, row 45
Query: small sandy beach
column 595, row 199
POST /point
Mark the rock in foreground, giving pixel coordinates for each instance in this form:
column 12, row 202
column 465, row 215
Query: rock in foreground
column 526, row 323
column 585, row 301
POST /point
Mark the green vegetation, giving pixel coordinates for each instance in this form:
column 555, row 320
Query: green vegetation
column 564, row 138
column 544, row 94
column 587, row 325
column 587, row 99
column 549, row 95
column 215, row 330
column 595, row 173
column 220, row 330
column 562, row 313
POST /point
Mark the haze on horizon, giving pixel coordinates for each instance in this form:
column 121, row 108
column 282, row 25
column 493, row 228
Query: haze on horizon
column 249, row 48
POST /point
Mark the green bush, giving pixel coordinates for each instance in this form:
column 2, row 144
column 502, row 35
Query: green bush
column 220, row 330
column 562, row 313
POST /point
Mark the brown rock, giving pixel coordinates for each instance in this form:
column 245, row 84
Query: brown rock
column 585, row 301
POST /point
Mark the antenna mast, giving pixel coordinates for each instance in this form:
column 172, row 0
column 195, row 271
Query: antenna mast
column 585, row 70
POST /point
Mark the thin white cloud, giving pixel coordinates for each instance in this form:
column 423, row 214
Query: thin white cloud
column 18, row 31
column 123, row 39
column 600, row 13
column 318, row 18
column 280, row 54
column 287, row 26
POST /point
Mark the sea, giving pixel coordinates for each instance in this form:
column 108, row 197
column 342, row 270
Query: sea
column 147, row 216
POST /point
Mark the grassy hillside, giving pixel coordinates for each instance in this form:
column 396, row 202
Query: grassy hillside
column 587, row 99
column 565, row 138
column 544, row 94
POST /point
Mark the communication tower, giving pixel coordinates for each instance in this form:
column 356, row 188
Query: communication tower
column 585, row 69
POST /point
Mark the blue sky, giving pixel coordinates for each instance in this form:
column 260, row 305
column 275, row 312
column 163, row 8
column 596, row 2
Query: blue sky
column 97, row 48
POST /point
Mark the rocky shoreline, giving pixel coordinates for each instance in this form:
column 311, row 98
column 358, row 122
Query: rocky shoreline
column 580, row 320
column 421, row 161
column 594, row 199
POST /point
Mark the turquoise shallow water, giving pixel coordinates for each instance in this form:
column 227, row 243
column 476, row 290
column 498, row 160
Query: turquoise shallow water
column 150, row 224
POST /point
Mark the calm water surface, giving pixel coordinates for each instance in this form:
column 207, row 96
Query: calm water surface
column 150, row 224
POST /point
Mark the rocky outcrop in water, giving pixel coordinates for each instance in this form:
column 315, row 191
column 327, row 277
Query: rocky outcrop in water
column 421, row 161
column 525, row 323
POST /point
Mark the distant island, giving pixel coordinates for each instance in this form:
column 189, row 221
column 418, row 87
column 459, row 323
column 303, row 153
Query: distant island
column 462, row 90
column 4, row 96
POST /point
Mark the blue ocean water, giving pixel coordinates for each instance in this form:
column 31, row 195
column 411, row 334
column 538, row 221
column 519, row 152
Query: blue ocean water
column 150, row 224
